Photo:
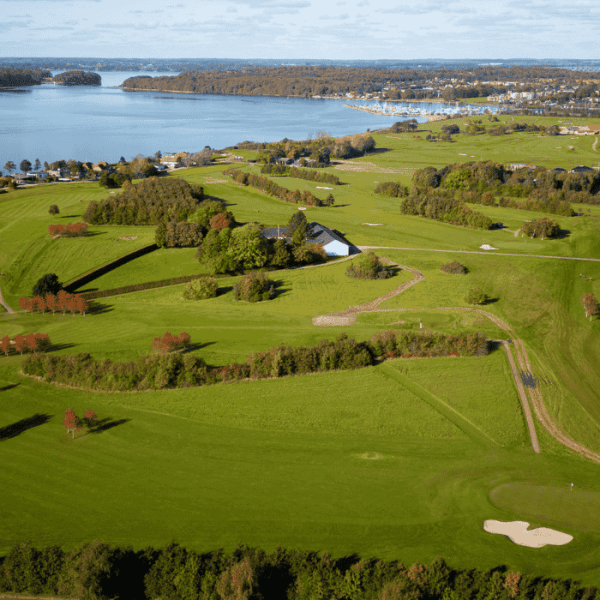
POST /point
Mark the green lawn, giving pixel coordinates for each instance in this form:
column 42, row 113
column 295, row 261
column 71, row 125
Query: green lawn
column 404, row 460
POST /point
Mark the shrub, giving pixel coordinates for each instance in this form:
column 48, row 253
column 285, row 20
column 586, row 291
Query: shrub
column 369, row 266
column 542, row 228
column 201, row 289
column 170, row 343
column 254, row 287
column 454, row 267
column 54, row 210
column 476, row 296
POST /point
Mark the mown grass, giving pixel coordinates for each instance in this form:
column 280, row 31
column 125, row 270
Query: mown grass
column 396, row 461
column 361, row 464
column 562, row 505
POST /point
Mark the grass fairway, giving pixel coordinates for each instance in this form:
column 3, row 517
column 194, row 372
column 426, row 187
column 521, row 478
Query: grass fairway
column 291, row 462
column 403, row 460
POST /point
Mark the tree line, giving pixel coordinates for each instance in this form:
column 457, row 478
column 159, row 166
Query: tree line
column 97, row 571
column 272, row 189
column 175, row 370
column 22, row 77
column 306, row 174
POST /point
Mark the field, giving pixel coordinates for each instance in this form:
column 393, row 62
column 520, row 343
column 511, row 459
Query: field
column 403, row 460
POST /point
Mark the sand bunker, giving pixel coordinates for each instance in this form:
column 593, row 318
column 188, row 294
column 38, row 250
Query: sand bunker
column 334, row 320
column 373, row 224
column 517, row 531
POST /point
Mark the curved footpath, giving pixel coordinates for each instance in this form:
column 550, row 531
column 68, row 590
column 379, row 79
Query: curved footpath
column 348, row 317
column 9, row 310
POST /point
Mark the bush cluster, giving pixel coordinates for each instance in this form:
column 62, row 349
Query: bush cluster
column 62, row 302
column 96, row 571
column 71, row 230
column 392, row 189
column 171, row 343
column 441, row 205
column 147, row 203
column 306, row 174
column 272, row 189
column 541, row 228
column 407, row 344
column 369, row 266
column 454, row 267
column 32, row 342
column 590, row 304
column 201, row 289
column 254, row 287
column 176, row 370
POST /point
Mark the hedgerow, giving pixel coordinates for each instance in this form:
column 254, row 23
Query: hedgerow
column 272, row 189
column 176, row 370
column 306, row 174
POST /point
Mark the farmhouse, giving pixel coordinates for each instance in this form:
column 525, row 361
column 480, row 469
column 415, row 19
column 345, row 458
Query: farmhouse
column 333, row 242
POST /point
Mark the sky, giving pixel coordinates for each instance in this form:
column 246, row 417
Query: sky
column 296, row 29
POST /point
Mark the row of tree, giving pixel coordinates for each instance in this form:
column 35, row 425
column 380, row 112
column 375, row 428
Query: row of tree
column 147, row 203
column 70, row 230
column 97, row 571
column 62, row 302
column 32, row 342
column 272, row 189
column 176, row 370
column 307, row 174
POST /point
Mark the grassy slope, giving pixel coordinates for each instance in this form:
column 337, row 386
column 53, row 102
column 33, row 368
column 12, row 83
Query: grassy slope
column 397, row 465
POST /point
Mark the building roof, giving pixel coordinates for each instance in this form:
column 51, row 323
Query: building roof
column 315, row 232
column 323, row 235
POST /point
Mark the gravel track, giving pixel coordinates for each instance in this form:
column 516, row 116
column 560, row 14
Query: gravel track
column 487, row 253
column 9, row 310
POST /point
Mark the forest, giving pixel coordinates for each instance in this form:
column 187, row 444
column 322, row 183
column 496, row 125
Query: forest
column 97, row 571
column 308, row 81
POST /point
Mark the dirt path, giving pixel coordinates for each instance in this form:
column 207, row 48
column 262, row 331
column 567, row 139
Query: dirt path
column 595, row 144
column 348, row 317
column 9, row 310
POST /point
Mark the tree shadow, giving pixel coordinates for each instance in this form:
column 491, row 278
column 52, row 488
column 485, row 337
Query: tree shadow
column 279, row 290
column 562, row 234
column 100, row 309
column 56, row 347
column 339, row 205
column 94, row 233
column 69, row 216
column 106, row 424
column 15, row 429
column 9, row 387
column 490, row 301
column 224, row 290
column 193, row 347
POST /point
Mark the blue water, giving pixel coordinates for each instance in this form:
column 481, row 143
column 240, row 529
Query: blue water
column 104, row 123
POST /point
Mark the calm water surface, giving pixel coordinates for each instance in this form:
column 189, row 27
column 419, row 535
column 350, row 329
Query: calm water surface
column 104, row 123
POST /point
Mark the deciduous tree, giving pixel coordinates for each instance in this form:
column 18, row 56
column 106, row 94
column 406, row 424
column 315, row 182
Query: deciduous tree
column 10, row 166
column 48, row 284
column 25, row 165
column 53, row 210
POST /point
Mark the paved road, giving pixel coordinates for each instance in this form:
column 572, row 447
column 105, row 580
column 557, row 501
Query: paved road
column 487, row 253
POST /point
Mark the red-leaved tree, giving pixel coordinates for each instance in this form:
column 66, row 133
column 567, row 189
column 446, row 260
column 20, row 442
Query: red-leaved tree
column 39, row 303
column 590, row 304
column 51, row 303
column 81, row 304
column 170, row 343
column 5, row 345
column 26, row 304
column 71, row 421
column 19, row 343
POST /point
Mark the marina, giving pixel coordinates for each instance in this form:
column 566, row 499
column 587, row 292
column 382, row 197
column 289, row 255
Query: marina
column 431, row 111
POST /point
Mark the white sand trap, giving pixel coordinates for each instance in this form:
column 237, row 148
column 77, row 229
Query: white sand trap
column 373, row 224
column 517, row 531
column 334, row 320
